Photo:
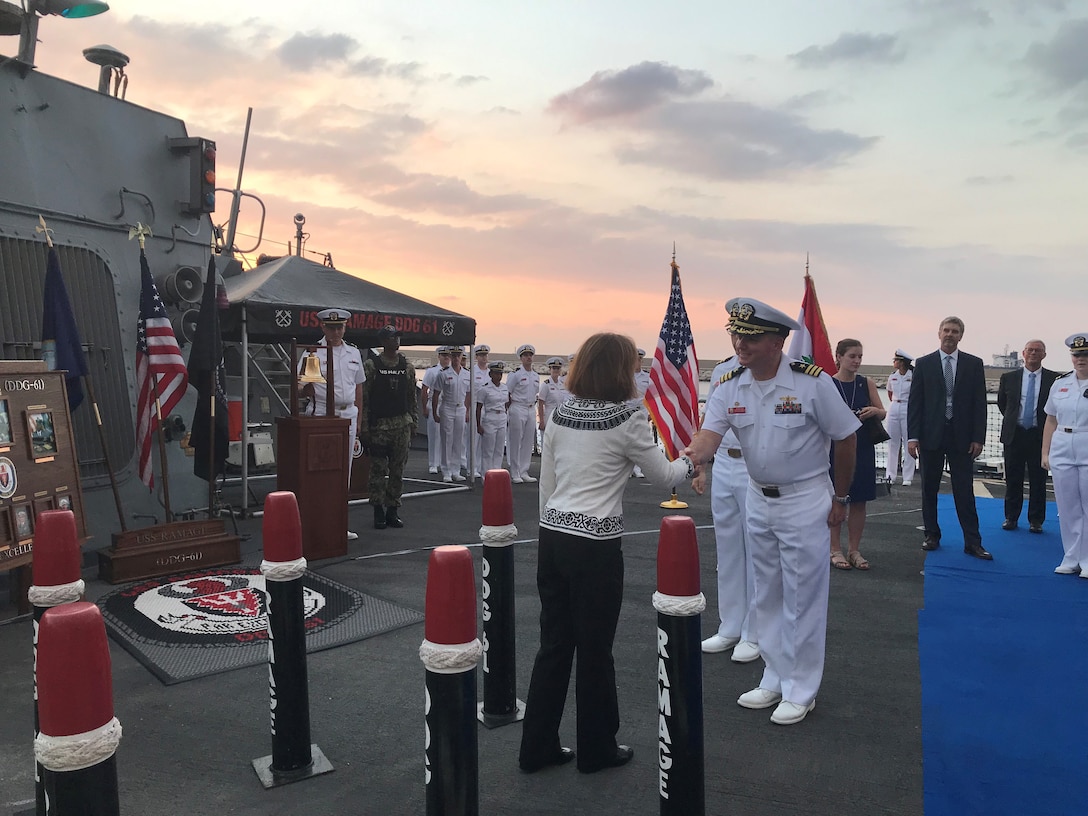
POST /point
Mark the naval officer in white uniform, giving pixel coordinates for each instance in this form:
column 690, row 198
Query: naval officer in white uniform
column 1065, row 453
column 553, row 392
column 449, row 402
column 786, row 415
column 638, row 401
column 348, row 378
column 523, row 385
column 481, row 376
column 491, row 402
column 898, row 396
column 736, row 572
column 434, row 432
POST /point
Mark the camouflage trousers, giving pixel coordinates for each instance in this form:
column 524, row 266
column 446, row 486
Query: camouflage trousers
column 388, row 454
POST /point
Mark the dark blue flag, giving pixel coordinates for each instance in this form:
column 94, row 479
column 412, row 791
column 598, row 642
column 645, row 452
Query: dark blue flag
column 206, row 373
column 61, row 347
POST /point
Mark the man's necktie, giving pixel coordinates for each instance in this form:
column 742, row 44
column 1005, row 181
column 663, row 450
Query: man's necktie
column 949, row 383
column 1027, row 410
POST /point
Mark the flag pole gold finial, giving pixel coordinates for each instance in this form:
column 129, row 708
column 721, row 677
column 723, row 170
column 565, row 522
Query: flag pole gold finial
column 673, row 264
column 141, row 232
column 806, row 265
column 45, row 229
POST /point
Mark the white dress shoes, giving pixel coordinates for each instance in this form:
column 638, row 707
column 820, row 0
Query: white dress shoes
column 1066, row 569
column 457, row 477
column 517, row 480
column 789, row 713
column 352, row 536
column 717, row 643
column 528, row 479
column 432, row 470
column 447, row 479
column 759, row 698
column 745, row 652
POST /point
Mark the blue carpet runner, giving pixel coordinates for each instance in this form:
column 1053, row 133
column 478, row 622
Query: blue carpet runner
column 1003, row 648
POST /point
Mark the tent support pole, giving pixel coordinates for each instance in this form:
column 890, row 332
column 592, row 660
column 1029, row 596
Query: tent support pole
column 245, row 413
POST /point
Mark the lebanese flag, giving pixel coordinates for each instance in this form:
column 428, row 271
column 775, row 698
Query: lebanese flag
column 810, row 342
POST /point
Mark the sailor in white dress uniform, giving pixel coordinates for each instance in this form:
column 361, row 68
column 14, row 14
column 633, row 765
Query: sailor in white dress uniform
column 491, row 402
column 638, row 401
column 434, row 432
column 450, row 403
column 552, row 394
column 481, row 376
column 523, row 385
column 1065, row 453
column 786, row 415
column 898, row 395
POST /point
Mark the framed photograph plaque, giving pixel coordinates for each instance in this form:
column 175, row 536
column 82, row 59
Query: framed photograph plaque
column 41, row 433
column 5, row 425
column 23, row 522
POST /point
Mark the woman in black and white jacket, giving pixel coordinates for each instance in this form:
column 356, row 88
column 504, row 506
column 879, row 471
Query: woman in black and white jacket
column 590, row 444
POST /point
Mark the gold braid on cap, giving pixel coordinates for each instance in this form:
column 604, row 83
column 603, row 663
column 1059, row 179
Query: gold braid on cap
column 1079, row 342
column 741, row 322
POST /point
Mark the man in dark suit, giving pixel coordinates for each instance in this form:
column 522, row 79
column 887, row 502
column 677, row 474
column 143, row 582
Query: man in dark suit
column 946, row 419
column 1021, row 396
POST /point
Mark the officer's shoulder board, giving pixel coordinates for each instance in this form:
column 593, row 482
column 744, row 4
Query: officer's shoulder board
column 811, row 369
column 726, row 360
column 736, row 372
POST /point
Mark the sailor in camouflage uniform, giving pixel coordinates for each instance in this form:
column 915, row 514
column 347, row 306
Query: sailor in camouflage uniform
column 786, row 415
column 389, row 419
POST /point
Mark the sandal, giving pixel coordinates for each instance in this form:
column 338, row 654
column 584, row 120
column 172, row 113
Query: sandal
column 838, row 561
column 857, row 560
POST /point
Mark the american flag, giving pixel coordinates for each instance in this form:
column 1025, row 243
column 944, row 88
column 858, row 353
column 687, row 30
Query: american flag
column 158, row 364
column 673, row 395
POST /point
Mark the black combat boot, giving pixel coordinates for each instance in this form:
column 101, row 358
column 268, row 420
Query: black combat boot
column 379, row 517
column 391, row 517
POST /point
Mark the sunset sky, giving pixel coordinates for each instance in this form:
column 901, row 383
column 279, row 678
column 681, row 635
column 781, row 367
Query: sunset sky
column 531, row 164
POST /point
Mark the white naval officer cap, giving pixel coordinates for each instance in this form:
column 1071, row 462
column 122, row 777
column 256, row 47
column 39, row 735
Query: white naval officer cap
column 496, row 365
column 442, row 350
column 526, row 348
column 555, row 362
column 642, row 352
column 748, row 316
column 455, row 350
column 483, row 348
column 1078, row 343
column 902, row 355
column 333, row 316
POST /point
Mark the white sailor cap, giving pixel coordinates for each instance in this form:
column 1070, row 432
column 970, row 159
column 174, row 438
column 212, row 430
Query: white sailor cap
column 334, row 315
column 642, row 352
column 1078, row 343
column 748, row 316
column 483, row 348
column 526, row 348
column 496, row 365
column 442, row 350
column 455, row 349
column 902, row 355
column 554, row 362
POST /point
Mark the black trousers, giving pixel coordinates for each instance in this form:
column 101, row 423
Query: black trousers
column 961, row 470
column 580, row 581
column 1025, row 451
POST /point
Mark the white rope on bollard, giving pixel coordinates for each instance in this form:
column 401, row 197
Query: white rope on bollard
column 681, row 606
column 78, row 751
column 47, row 597
column 283, row 570
column 504, row 533
column 445, row 658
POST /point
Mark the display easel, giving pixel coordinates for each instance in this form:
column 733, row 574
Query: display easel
column 39, row 466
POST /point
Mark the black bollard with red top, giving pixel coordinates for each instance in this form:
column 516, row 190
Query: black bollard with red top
column 501, row 705
column 450, row 652
column 679, row 604
column 293, row 756
column 56, row 580
column 79, row 735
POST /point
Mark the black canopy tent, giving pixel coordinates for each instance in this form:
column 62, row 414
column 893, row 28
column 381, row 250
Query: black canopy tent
column 280, row 300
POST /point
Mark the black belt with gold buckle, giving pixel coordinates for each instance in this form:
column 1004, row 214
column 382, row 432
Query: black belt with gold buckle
column 735, row 453
column 771, row 491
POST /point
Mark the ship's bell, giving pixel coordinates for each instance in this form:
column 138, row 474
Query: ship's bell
column 312, row 371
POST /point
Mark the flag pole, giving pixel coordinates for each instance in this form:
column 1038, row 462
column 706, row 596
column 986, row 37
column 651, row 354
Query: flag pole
column 105, row 451
column 211, row 445
column 162, row 450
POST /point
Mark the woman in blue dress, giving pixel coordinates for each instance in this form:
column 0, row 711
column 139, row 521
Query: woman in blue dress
column 861, row 395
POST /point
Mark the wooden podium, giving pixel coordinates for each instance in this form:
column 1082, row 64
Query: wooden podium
column 312, row 464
